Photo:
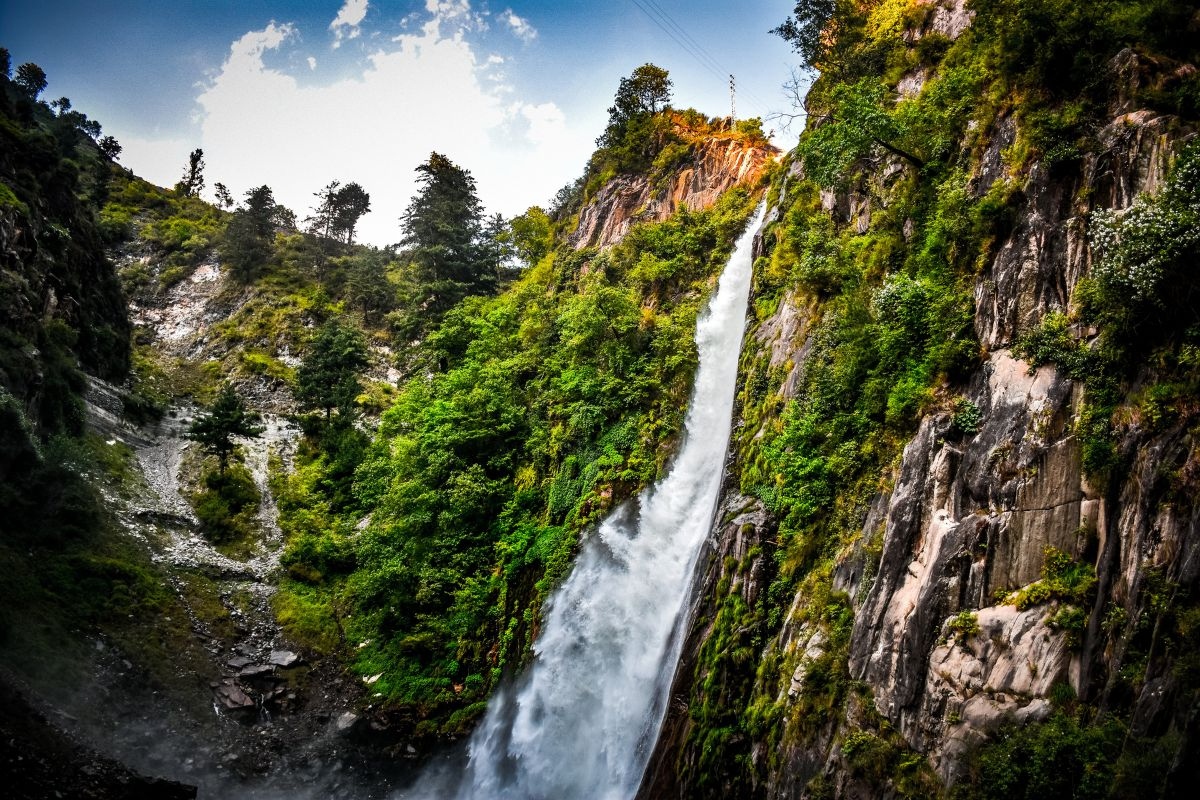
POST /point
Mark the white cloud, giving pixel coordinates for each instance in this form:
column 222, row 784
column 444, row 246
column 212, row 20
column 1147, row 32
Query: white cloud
column 547, row 123
column 346, row 24
column 519, row 26
column 425, row 91
column 456, row 13
column 312, row 63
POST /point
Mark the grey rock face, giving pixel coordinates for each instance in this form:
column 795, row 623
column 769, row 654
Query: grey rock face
column 969, row 517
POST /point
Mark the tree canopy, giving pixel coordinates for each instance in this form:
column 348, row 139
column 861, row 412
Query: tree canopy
column 31, row 79
column 636, row 132
column 802, row 30
column 644, row 93
column 328, row 375
column 341, row 207
column 443, row 230
column 227, row 418
column 251, row 230
column 193, row 177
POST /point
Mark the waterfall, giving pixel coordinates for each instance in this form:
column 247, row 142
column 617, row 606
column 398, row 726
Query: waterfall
column 582, row 720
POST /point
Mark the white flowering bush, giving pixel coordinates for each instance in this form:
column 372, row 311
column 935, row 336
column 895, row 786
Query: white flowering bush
column 1146, row 254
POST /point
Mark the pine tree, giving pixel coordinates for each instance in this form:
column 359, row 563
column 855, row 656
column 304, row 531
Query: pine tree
column 227, row 418
column 193, row 177
column 351, row 203
column 250, row 233
column 442, row 229
column 224, row 198
column 328, row 375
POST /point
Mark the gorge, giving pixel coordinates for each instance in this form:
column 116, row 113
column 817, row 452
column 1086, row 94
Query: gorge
column 863, row 470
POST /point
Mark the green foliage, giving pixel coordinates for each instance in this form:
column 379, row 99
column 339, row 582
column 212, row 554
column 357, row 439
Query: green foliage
column 1062, row 48
column 639, row 98
column 967, row 417
column 31, row 79
column 443, row 228
column 308, row 619
column 328, row 375
column 192, row 181
column 181, row 230
column 227, row 504
column 828, row 35
column 536, row 412
column 964, row 625
column 1059, row 758
column 533, row 235
column 1062, row 579
column 857, row 122
column 227, row 418
column 1145, row 253
column 250, row 234
column 61, row 304
column 339, row 211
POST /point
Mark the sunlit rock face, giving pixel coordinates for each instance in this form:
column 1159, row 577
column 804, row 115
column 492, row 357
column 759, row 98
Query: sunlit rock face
column 715, row 166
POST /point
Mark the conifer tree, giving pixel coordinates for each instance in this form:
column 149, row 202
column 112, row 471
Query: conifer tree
column 250, row 232
column 227, row 418
column 443, row 226
column 339, row 210
column 328, row 375
column 224, row 198
column 193, row 177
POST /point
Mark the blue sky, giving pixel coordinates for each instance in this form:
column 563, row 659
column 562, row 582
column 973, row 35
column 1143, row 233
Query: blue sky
column 297, row 94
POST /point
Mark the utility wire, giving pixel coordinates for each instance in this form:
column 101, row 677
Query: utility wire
column 677, row 34
column 681, row 36
column 690, row 51
column 699, row 47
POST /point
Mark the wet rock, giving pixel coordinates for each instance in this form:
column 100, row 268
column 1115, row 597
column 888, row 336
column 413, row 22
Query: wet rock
column 231, row 696
column 284, row 658
column 346, row 722
column 255, row 670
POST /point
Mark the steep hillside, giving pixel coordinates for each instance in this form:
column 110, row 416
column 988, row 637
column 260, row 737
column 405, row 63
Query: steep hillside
column 957, row 552
column 542, row 409
column 439, row 423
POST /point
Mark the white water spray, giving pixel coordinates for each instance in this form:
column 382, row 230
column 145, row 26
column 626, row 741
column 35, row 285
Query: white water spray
column 582, row 720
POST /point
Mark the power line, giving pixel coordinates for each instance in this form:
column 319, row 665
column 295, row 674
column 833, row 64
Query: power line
column 690, row 51
column 705, row 56
column 681, row 37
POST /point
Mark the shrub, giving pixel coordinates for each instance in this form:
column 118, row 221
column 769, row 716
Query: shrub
column 966, row 417
column 226, row 505
column 964, row 625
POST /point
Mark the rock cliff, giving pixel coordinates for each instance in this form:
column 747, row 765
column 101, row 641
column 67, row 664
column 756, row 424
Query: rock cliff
column 987, row 576
column 711, row 166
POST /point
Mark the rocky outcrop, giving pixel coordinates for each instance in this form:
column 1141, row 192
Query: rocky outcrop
column 969, row 520
column 1041, row 261
column 714, row 166
column 943, row 653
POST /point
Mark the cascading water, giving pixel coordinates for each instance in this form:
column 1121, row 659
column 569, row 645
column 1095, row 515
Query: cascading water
column 580, row 723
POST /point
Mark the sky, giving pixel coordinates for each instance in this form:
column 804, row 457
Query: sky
column 295, row 95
